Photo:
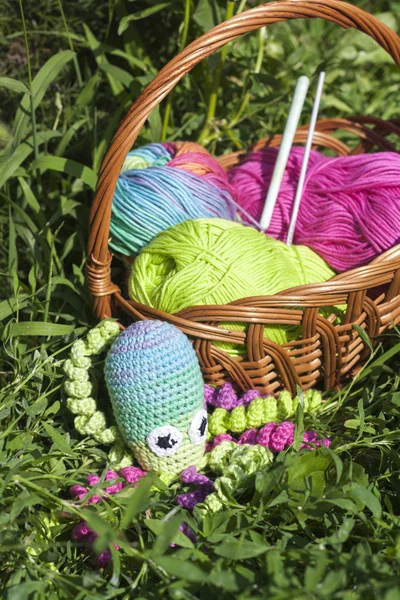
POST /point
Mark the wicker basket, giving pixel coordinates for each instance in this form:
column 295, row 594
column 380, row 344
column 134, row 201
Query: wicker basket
column 326, row 353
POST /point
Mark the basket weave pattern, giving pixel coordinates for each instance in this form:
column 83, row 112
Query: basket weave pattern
column 326, row 351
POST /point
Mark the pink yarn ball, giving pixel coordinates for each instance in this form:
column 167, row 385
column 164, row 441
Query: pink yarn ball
column 350, row 208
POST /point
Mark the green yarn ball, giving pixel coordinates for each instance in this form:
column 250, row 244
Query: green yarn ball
column 214, row 261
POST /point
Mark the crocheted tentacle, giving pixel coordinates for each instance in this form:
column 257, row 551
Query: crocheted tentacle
column 119, row 456
column 274, row 436
column 226, row 397
column 260, row 411
column 90, row 421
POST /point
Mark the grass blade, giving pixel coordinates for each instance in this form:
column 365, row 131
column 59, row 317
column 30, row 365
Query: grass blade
column 14, row 85
column 11, row 162
column 140, row 14
column 68, row 166
column 39, row 328
column 40, row 84
column 58, row 439
column 363, row 335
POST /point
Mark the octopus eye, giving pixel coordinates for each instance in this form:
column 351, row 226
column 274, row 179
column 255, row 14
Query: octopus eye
column 198, row 428
column 165, row 440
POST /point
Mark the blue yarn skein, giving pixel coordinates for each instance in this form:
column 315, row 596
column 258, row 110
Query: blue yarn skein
column 151, row 196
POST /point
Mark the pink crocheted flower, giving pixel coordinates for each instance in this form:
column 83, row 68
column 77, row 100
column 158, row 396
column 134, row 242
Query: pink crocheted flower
column 223, row 437
column 78, row 491
column 282, row 437
column 81, row 531
column 265, row 433
column 132, row 474
column 249, row 437
column 116, row 487
column 92, row 479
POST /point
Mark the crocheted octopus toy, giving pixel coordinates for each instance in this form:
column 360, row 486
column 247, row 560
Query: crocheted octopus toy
column 157, row 393
column 169, row 422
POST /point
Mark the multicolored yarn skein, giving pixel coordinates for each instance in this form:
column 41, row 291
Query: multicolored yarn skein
column 164, row 184
column 214, row 261
column 157, row 393
column 350, row 209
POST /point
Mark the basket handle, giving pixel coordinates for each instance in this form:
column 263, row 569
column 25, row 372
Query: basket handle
column 342, row 13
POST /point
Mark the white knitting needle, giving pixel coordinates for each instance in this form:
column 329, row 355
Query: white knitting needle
column 306, row 157
column 299, row 97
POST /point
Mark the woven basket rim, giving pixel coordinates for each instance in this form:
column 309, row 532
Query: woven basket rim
column 339, row 346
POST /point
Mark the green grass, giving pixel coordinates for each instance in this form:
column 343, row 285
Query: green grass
column 333, row 534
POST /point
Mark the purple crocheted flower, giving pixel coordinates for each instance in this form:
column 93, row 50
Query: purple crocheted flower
column 191, row 499
column 206, row 486
column 210, row 395
column 191, row 475
column 81, row 532
column 186, row 530
column 103, row 559
column 226, row 397
column 311, row 438
column 248, row 397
